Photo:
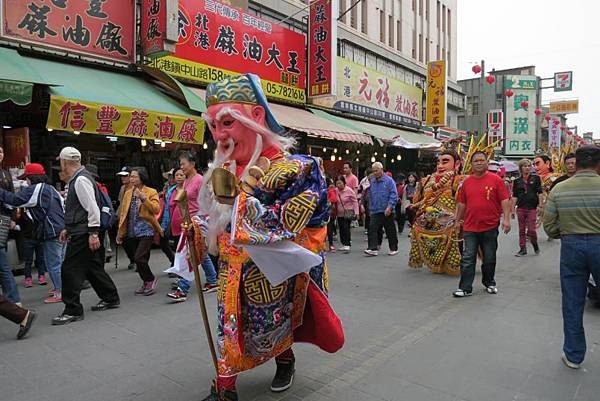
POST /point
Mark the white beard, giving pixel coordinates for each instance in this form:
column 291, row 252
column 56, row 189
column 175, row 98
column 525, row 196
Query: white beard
column 220, row 214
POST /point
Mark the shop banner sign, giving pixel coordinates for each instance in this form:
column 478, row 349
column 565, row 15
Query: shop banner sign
column 159, row 32
column 322, row 47
column 16, row 147
column 17, row 92
column 554, row 136
column 106, row 119
column 564, row 107
column 217, row 41
column 563, row 81
column 521, row 121
column 96, row 28
column 368, row 93
column 436, row 94
column 495, row 128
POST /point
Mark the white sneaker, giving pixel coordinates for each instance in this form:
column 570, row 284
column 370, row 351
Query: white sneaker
column 371, row 253
column 568, row 363
column 345, row 248
column 492, row 289
column 392, row 253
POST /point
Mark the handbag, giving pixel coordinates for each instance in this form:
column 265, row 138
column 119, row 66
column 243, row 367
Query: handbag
column 4, row 229
column 348, row 214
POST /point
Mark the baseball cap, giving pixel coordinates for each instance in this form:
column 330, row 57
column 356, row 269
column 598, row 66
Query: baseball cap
column 125, row 171
column 493, row 166
column 32, row 169
column 69, row 153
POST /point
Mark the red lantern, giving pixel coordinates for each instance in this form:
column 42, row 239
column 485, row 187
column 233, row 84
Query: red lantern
column 537, row 111
column 476, row 69
column 508, row 93
column 547, row 117
column 569, row 132
column 562, row 128
column 556, row 122
column 524, row 104
column 490, row 79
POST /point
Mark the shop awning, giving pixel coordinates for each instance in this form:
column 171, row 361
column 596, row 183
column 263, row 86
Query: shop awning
column 408, row 139
column 102, row 102
column 16, row 77
column 305, row 121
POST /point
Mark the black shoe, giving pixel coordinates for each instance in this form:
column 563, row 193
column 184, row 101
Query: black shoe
column 23, row 330
column 86, row 285
column 63, row 319
column 107, row 259
column 222, row 395
column 536, row 248
column 522, row 252
column 284, row 377
column 131, row 266
column 103, row 305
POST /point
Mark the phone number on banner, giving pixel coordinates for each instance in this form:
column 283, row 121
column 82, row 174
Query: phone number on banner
column 207, row 74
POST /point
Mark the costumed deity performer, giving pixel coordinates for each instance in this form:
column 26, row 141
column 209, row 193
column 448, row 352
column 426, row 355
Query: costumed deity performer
column 281, row 201
column 434, row 240
column 544, row 169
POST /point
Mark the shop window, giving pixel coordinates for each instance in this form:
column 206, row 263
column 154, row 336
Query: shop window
column 391, row 32
column 364, row 19
column 381, row 26
column 399, row 36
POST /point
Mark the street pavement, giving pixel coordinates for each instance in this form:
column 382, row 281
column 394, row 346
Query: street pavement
column 406, row 339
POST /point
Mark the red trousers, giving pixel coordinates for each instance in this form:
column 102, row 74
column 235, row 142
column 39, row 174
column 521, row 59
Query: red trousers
column 527, row 219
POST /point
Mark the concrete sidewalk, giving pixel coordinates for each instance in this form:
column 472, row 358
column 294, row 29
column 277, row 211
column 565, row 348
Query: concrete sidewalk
column 407, row 339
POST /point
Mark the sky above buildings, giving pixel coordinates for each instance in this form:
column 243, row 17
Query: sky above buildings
column 552, row 35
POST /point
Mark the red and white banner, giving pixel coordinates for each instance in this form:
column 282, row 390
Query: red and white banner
column 159, row 32
column 496, row 128
column 322, row 47
column 554, row 135
column 95, row 28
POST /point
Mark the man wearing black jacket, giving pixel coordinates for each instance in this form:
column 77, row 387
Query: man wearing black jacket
column 527, row 195
column 84, row 254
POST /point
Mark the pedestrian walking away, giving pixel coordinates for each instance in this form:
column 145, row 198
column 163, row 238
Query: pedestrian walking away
column 482, row 199
column 84, row 253
column 383, row 197
column 347, row 211
column 45, row 206
column 138, row 226
column 528, row 199
column 572, row 213
column 21, row 316
column 7, row 279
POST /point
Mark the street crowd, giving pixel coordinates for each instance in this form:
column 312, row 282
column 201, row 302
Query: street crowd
column 67, row 232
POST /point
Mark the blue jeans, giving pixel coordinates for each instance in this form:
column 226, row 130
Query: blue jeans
column 488, row 242
column 53, row 256
column 9, row 285
column 31, row 247
column 579, row 255
column 209, row 272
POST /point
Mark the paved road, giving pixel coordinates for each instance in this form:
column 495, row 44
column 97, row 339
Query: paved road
column 407, row 339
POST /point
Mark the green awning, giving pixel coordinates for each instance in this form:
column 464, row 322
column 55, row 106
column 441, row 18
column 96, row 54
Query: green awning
column 17, row 92
column 382, row 132
column 193, row 101
column 16, row 77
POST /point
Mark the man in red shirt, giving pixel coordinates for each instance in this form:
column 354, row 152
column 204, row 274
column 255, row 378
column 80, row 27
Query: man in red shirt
column 482, row 199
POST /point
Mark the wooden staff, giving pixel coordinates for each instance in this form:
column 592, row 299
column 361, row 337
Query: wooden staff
column 181, row 199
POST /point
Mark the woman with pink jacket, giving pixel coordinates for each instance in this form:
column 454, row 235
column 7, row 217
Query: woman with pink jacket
column 347, row 211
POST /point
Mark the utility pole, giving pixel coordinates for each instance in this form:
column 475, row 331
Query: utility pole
column 480, row 102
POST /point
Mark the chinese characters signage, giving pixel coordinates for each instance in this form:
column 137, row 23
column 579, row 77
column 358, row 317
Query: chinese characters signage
column 563, row 81
column 217, row 41
column 564, row 107
column 322, row 47
column 554, row 135
column 16, row 147
column 159, row 33
column 436, row 93
column 96, row 28
column 105, row 119
column 521, row 121
column 369, row 93
column 495, row 128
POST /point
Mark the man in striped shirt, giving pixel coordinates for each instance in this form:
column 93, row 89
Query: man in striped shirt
column 572, row 213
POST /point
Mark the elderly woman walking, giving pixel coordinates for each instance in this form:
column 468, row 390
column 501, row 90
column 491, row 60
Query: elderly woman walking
column 138, row 225
column 347, row 211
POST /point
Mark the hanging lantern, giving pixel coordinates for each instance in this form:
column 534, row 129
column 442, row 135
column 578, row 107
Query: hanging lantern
column 537, row 111
column 548, row 117
column 569, row 133
column 476, row 69
column 490, row 79
column 508, row 93
column 556, row 122
column 562, row 128
column 524, row 104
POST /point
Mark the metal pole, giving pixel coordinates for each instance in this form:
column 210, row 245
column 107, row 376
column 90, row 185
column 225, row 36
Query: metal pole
column 181, row 200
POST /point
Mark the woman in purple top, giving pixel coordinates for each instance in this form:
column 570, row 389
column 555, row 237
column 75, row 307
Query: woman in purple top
column 347, row 211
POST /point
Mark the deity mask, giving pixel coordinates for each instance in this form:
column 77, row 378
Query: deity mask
column 541, row 167
column 446, row 163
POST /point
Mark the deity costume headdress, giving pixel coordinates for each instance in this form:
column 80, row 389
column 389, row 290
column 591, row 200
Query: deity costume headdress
column 244, row 89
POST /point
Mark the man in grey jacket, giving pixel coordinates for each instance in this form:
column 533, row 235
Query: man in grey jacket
column 84, row 254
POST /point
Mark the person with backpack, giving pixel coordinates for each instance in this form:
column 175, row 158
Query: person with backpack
column 138, row 225
column 45, row 206
column 107, row 212
column 85, row 252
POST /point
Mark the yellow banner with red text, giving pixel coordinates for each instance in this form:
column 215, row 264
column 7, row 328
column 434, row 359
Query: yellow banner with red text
column 105, row 119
